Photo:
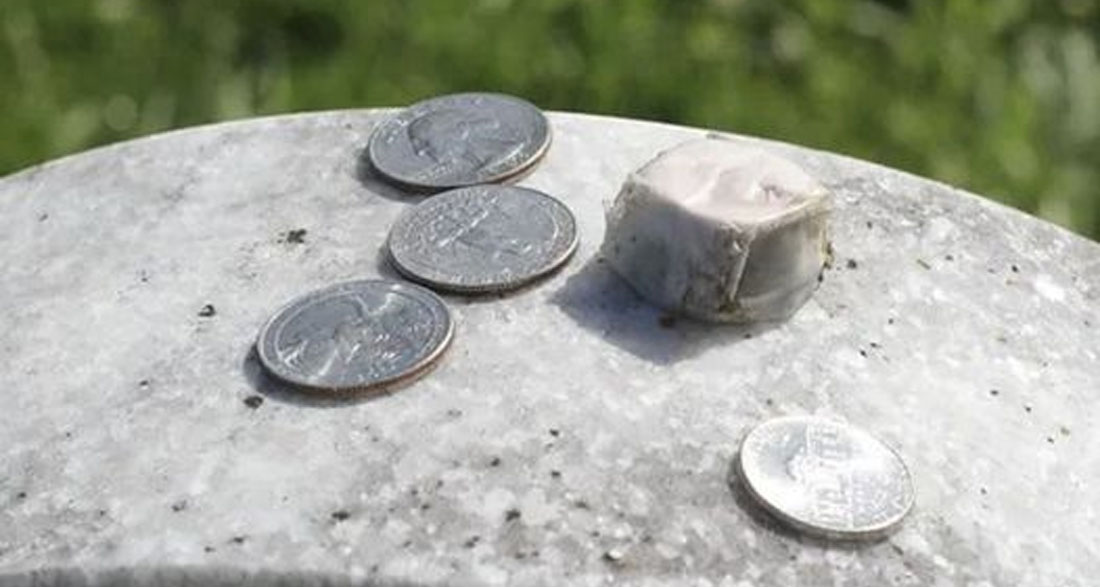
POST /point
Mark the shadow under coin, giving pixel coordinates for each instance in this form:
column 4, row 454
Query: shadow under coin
column 766, row 521
column 378, row 184
column 276, row 389
column 598, row 300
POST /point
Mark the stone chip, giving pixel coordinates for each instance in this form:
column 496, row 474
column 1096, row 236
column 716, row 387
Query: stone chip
column 720, row 232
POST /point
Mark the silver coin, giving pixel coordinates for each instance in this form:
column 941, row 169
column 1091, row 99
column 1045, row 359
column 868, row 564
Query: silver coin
column 483, row 238
column 826, row 478
column 459, row 140
column 355, row 335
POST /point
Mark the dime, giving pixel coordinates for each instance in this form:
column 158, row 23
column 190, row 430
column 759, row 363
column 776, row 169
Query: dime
column 826, row 478
column 482, row 238
column 355, row 335
column 459, row 140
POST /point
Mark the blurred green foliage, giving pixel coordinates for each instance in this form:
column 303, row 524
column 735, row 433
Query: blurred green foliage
column 999, row 96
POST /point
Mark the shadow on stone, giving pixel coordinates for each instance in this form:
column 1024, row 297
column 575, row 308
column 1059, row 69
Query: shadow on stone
column 599, row 300
column 378, row 184
column 182, row 576
column 387, row 270
column 277, row 390
column 769, row 523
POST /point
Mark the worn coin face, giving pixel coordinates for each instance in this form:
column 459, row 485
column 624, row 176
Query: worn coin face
column 482, row 238
column 826, row 478
column 355, row 335
column 459, row 140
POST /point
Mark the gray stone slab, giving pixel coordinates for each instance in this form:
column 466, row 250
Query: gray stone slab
column 571, row 436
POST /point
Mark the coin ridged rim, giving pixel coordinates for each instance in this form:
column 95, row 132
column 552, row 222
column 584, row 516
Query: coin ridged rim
column 536, row 155
column 414, row 371
column 546, row 269
column 867, row 533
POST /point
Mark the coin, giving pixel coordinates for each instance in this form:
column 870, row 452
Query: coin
column 459, row 140
column 355, row 335
column 826, row 478
column 482, row 238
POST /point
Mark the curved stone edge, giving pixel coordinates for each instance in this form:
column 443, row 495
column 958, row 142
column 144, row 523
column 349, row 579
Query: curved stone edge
column 789, row 148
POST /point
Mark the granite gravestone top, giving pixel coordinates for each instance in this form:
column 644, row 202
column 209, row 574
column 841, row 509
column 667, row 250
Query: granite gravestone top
column 572, row 435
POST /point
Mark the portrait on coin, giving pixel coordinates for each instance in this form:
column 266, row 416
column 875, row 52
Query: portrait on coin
column 454, row 137
column 342, row 334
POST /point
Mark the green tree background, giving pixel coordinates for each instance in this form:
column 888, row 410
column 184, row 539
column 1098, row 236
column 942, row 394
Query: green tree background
column 1001, row 97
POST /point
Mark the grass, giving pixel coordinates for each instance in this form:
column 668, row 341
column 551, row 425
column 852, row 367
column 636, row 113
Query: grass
column 1001, row 97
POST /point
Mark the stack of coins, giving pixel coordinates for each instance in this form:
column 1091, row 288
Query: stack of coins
column 473, row 237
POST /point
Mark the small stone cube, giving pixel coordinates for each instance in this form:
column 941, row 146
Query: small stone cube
column 720, row 232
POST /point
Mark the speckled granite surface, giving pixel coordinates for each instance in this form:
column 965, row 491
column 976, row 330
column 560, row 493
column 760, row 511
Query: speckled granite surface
column 569, row 437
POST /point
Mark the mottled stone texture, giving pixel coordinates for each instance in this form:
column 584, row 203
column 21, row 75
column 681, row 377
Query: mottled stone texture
column 573, row 435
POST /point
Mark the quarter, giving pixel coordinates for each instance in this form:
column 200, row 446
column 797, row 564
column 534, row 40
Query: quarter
column 482, row 238
column 826, row 478
column 459, row 140
column 355, row 336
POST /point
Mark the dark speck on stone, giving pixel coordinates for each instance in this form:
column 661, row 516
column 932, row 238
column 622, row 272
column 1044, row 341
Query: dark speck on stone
column 889, row 320
column 984, row 491
column 207, row 311
column 582, row 505
column 555, row 474
column 179, row 506
column 870, row 224
column 340, row 515
column 949, row 257
column 994, row 392
column 1050, row 440
column 1064, row 430
column 296, row 236
column 472, row 541
column 253, row 401
column 667, row 321
column 208, row 549
column 495, row 462
column 555, row 432
column 852, row 264
column 1015, row 269
column 43, row 217
column 924, row 263
column 21, row 495
column 1027, row 409
column 238, row 539
column 511, row 515
column 143, row 383
column 863, row 353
